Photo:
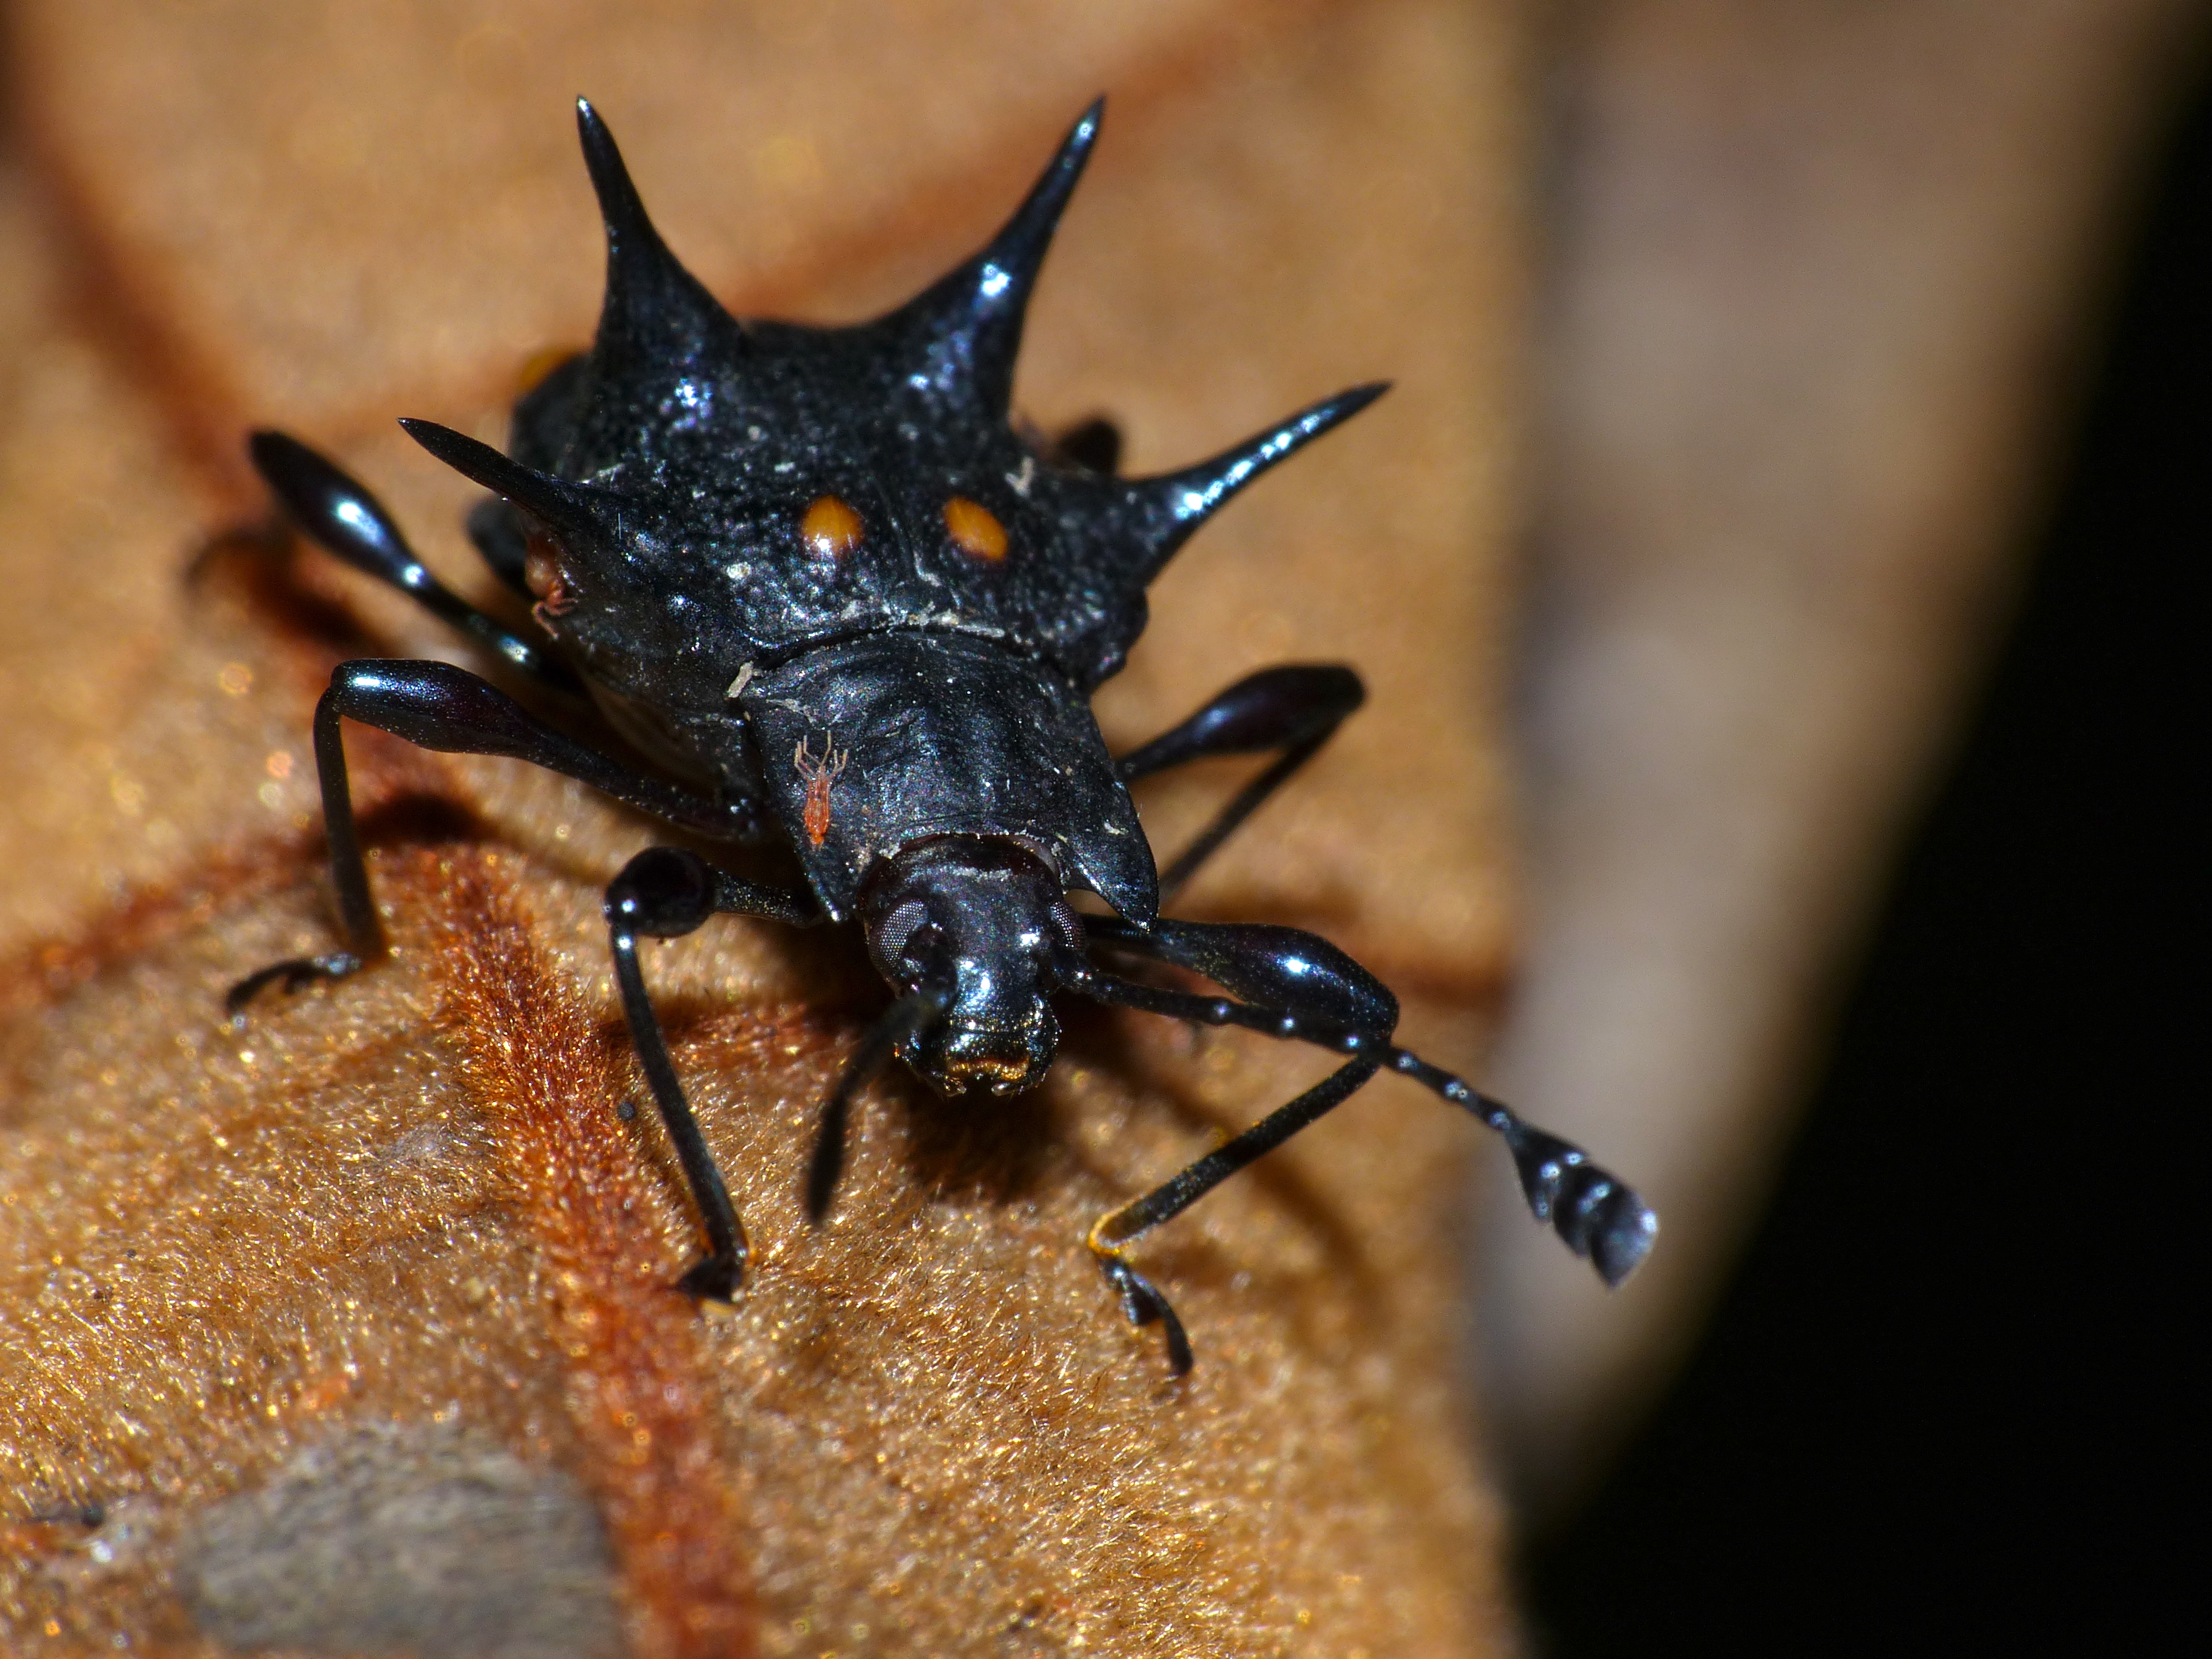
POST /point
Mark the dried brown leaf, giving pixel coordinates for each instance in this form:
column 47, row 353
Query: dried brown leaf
column 236, row 1268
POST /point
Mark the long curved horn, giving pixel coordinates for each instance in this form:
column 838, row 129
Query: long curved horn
column 580, row 510
column 959, row 336
column 1173, row 505
column 656, row 313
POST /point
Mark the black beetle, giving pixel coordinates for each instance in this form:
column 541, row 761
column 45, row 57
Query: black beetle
column 822, row 580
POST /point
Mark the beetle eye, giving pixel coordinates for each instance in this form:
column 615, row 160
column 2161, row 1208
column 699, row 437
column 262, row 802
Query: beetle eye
column 900, row 932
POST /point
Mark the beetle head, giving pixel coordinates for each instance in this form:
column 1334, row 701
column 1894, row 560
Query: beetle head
column 981, row 921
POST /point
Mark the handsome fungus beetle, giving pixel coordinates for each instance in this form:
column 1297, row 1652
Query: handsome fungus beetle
column 822, row 580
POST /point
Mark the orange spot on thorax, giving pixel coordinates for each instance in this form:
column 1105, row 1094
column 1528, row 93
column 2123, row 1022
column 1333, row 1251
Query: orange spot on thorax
column 974, row 529
column 829, row 527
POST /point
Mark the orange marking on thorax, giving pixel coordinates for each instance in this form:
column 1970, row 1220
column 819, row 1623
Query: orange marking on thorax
column 975, row 530
column 829, row 527
column 819, row 775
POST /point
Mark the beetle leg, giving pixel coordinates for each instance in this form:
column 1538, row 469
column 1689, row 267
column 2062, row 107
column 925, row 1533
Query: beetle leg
column 1294, row 707
column 1141, row 1300
column 665, row 892
column 436, row 706
column 337, row 511
column 1303, row 989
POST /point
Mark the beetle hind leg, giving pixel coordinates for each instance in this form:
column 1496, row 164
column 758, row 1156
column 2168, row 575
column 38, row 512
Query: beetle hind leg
column 337, row 512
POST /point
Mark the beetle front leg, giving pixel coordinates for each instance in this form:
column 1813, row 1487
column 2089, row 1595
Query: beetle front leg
column 665, row 893
column 438, row 707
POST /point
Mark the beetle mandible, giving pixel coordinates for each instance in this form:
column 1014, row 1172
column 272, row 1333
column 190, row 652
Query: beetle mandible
column 827, row 587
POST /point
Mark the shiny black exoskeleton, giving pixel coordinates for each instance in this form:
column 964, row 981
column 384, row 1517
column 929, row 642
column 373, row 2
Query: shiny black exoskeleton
column 824, row 584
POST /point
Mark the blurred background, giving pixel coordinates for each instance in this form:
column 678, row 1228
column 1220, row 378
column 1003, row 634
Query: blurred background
column 1830, row 422
column 1923, row 1412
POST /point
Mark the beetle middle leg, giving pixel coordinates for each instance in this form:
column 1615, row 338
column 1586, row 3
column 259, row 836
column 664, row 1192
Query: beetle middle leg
column 1298, row 987
column 1295, row 708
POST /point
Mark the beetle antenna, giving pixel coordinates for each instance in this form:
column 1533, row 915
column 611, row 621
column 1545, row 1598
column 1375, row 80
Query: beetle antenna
column 897, row 1024
column 1599, row 1216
